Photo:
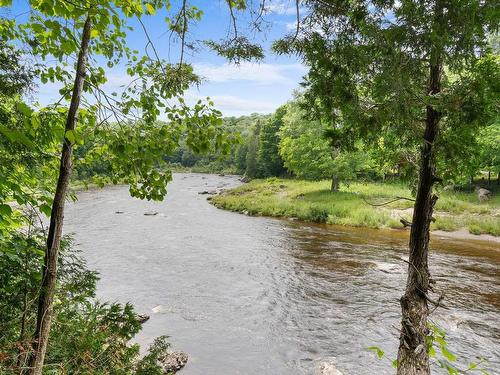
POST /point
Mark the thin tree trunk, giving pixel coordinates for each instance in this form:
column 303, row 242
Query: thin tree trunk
column 45, row 299
column 335, row 184
column 413, row 358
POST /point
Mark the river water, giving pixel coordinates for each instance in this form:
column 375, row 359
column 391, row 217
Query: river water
column 250, row 295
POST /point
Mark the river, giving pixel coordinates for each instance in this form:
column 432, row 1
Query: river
column 253, row 295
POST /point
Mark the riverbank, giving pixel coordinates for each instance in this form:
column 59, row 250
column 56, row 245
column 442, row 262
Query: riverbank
column 360, row 205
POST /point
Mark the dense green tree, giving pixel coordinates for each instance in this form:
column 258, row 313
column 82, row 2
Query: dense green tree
column 241, row 157
column 252, row 168
column 489, row 146
column 303, row 147
column 377, row 65
column 308, row 151
column 269, row 159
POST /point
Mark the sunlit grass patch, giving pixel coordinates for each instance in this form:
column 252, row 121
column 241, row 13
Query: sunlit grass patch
column 356, row 204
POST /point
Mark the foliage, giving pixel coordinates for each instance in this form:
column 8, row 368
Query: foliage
column 308, row 152
column 148, row 365
column 269, row 159
column 489, row 146
column 252, row 168
column 87, row 336
column 369, row 73
column 304, row 149
column 445, row 359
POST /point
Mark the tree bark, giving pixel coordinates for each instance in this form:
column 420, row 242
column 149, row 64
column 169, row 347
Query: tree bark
column 413, row 358
column 335, row 184
column 46, row 297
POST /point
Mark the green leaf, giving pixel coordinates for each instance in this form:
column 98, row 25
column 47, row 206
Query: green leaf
column 16, row 136
column 376, row 349
column 432, row 351
column 45, row 209
column 472, row 366
column 35, row 122
column 151, row 10
column 94, row 33
column 24, row 108
column 71, row 136
column 447, row 354
column 5, row 210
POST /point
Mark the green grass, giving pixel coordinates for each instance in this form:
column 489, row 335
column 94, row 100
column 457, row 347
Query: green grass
column 312, row 201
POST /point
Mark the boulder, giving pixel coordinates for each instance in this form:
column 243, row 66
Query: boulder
column 483, row 194
column 209, row 192
column 328, row 368
column 172, row 362
column 142, row 318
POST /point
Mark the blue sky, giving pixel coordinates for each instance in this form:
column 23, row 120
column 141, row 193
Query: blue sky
column 236, row 90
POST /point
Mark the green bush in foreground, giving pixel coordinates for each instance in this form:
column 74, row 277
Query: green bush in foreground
column 87, row 336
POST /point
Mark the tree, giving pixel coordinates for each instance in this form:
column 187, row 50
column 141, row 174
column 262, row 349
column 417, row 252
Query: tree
column 252, row 168
column 387, row 65
column 304, row 149
column 308, row 149
column 136, row 142
column 269, row 159
column 489, row 148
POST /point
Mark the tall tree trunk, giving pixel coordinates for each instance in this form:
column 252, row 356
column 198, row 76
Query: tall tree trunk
column 45, row 299
column 413, row 358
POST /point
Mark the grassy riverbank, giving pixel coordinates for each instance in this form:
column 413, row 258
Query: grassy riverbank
column 312, row 201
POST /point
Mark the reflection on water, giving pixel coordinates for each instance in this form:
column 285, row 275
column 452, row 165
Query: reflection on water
column 246, row 295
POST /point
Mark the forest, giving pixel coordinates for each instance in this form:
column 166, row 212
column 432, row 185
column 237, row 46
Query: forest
column 394, row 126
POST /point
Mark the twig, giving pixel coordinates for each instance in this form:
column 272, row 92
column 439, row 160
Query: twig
column 389, row 202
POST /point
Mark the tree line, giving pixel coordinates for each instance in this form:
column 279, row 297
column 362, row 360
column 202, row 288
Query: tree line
column 415, row 82
column 290, row 143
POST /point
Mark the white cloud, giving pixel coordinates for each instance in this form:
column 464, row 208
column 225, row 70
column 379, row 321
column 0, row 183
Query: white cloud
column 291, row 26
column 231, row 105
column 266, row 74
column 282, row 7
column 116, row 80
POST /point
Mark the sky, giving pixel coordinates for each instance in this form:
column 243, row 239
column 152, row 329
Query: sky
column 235, row 90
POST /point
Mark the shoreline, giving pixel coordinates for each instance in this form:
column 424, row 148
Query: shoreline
column 459, row 217
column 460, row 234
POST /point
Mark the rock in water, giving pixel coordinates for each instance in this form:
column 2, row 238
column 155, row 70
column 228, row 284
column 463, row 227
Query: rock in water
column 173, row 362
column 142, row 318
column 156, row 309
column 327, row 367
column 209, row 192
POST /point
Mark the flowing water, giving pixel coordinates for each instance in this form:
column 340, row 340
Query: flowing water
column 250, row 295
